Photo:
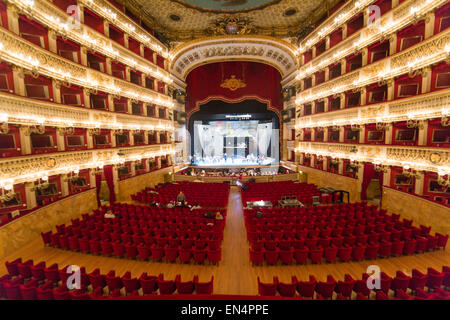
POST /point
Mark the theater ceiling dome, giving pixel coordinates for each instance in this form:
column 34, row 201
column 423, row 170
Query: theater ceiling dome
column 184, row 20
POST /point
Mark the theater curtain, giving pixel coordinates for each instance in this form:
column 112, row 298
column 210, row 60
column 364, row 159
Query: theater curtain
column 369, row 174
column 109, row 176
column 264, row 134
column 98, row 184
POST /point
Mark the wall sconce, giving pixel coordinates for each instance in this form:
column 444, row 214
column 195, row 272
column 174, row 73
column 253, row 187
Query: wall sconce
column 355, row 127
column 408, row 172
column 380, row 168
column 4, row 128
column 443, row 181
column 413, row 124
column 40, row 129
column 445, row 122
column 7, row 191
column 66, row 130
column 334, row 161
column 382, row 126
column 307, row 156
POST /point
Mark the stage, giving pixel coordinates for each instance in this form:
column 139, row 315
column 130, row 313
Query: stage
column 238, row 162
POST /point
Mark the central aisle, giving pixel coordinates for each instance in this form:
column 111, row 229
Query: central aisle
column 235, row 274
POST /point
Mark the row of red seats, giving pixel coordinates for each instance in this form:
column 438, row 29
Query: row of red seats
column 204, row 194
column 271, row 254
column 97, row 229
column 37, row 282
column 324, row 240
column 274, row 191
column 198, row 250
column 435, row 281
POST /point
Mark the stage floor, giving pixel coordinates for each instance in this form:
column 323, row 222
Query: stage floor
column 235, row 163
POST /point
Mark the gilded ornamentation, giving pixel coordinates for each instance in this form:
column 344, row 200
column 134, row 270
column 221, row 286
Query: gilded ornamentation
column 233, row 83
column 231, row 26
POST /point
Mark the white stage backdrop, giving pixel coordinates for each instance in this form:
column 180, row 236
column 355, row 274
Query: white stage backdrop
column 235, row 143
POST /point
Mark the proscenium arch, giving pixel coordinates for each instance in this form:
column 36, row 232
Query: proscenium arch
column 262, row 49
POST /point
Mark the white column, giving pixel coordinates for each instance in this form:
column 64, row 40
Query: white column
column 64, row 185
column 30, row 195
column 24, row 141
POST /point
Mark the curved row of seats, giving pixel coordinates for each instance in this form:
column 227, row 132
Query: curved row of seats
column 401, row 287
column 366, row 233
column 274, row 191
column 27, row 281
column 204, row 194
column 155, row 235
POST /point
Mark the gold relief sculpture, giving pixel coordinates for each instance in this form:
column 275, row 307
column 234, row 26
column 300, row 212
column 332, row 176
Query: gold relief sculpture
column 233, row 83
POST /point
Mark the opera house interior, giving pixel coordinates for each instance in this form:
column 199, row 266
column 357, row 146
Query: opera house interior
column 224, row 150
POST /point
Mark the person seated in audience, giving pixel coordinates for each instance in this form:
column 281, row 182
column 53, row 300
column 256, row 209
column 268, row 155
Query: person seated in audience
column 210, row 215
column 171, row 204
column 219, row 216
column 110, row 215
column 195, row 207
column 259, row 214
column 153, row 192
column 153, row 204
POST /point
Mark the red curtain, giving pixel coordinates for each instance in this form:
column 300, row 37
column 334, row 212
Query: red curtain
column 368, row 175
column 260, row 80
column 108, row 170
column 98, row 184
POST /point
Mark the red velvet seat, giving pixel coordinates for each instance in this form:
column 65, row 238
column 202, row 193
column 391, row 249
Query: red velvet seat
column 118, row 249
column 12, row 288
column 199, row 255
column 331, row 253
column 79, row 294
column 130, row 284
column 157, row 252
column 186, row 287
column 45, row 292
column 307, row 288
column 386, row 282
column 271, row 256
column 410, row 246
column 46, row 238
column 442, row 240
column 131, row 251
column 61, row 293
column 301, row 255
column 95, row 246
column 143, row 251
column 345, row 252
column 204, row 287
column 326, row 289
column 25, row 269
column 316, row 255
column 435, row 279
column 107, row 248
column 170, row 253
column 113, row 282
column 52, row 273
column 256, row 257
column 287, row 289
column 12, row 267
column 83, row 244
column 421, row 245
column 149, row 284
column 361, row 287
column 286, row 256
column 385, row 249
column 372, row 250
column 214, row 256
column 418, row 280
column 165, row 286
column 397, row 247
column 28, row 291
column 267, row 289
column 345, row 288
column 400, row 282
column 96, row 279
column 37, row 271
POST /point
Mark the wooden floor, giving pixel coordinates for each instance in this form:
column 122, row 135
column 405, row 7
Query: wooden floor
column 234, row 274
